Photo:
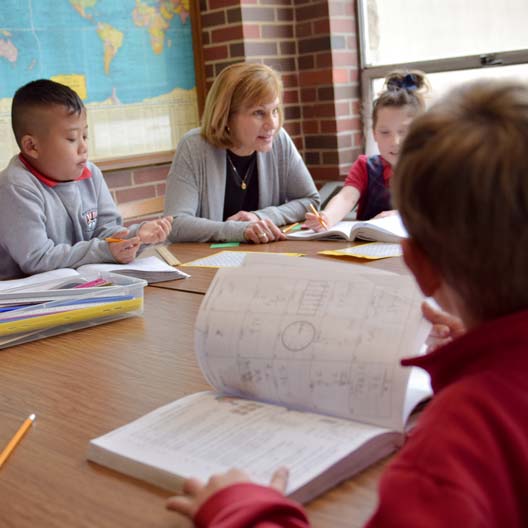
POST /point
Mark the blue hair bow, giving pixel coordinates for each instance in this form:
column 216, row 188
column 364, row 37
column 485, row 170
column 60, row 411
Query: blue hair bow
column 407, row 83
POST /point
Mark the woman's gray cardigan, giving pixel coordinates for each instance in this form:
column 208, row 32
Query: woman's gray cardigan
column 196, row 189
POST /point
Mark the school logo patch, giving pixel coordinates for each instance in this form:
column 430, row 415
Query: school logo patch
column 90, row 217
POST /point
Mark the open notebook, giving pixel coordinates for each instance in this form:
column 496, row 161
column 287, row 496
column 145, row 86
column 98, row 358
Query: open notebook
column 304, row 362
column 152, row 269
column 386, row 229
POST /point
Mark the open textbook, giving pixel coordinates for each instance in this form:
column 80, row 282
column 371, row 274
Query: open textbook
column 386, row 229
column 151, row 269
column 304, row 359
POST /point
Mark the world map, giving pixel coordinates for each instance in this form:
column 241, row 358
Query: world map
column 130, row 58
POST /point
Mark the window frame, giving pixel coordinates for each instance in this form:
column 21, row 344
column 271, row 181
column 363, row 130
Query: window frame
column 468, row 62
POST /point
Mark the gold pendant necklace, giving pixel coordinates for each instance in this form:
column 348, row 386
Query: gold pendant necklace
column 243, row 182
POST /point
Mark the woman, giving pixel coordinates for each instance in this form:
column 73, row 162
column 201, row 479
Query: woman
column 239, row 176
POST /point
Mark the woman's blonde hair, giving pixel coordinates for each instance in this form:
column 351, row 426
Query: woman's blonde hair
column 461, row 185
column 237, row 87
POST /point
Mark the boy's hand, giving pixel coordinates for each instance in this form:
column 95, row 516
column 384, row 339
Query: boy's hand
column 263, row 231
column 244, row 216
column 124, row 252
column 313, row 222
column 155, row 231
column 446, row 327
column 195, row 493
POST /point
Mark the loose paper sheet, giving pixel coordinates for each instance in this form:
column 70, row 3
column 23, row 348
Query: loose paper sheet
column 374, row 250
column 228, row 259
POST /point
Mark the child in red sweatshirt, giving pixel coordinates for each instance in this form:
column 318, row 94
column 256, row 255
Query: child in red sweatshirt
column 461, row 187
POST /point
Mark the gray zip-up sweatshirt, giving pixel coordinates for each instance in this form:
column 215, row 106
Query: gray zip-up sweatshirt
column 44, row 228
column 196, row 189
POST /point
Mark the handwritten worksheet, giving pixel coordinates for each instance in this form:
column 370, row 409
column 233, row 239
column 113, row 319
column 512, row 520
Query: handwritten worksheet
column 314, row 340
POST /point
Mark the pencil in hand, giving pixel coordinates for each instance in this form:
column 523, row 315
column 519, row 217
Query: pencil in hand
column 111, row 240
column 28, row 422
column 319, row 217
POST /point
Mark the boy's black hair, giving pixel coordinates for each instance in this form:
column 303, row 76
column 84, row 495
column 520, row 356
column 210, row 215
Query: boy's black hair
column 41, row 93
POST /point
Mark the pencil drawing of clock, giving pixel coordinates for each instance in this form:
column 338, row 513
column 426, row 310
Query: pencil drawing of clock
column 298, row 335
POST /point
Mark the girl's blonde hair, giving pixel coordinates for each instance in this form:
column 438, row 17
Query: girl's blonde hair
column 237, row 87
column 461, row 186
column 402, row 88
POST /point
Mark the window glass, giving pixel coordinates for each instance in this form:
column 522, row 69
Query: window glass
column 417, row 30
column 442, row 82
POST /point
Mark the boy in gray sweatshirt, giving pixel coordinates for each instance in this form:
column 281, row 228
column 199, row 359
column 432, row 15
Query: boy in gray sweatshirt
column 55, row 207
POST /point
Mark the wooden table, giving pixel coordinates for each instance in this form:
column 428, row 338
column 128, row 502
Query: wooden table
column 80, row 385
column 202, row 277
column 86, row 383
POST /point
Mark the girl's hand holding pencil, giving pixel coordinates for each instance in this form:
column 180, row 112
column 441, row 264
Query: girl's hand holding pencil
column 316, row 220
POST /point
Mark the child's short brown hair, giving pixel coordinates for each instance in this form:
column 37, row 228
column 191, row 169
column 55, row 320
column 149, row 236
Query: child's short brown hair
column 461, row 185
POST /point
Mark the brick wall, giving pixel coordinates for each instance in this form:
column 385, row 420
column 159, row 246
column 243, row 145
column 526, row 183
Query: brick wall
column 313, row 44
column 137, row 184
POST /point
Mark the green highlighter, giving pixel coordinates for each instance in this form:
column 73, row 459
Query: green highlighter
column 225, row 245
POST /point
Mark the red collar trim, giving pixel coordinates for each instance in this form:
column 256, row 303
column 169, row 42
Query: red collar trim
column 497, row 341
column 86, row 173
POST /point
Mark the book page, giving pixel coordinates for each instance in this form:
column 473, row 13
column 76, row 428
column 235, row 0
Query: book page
column 418, row 389
column 150, row 268
column 205, row 434
column 40, row 281
column 312, row 340
column 339, row 231
column 385, row 229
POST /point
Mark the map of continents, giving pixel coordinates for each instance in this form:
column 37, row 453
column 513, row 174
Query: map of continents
column 130, row 60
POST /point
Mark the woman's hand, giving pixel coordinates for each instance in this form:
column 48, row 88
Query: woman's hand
column 263, row 231
column 155, row 231
column 244, row 216
column 312, row 221
column 446, row 327
column 195, row 493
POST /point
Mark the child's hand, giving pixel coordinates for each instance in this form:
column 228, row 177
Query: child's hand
column 313, row 222
column 155, row 231
column 446, row 327
column 125, row 252
column 383, row 214
column 263, row 231
column 244, row 216
column 195, row 493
